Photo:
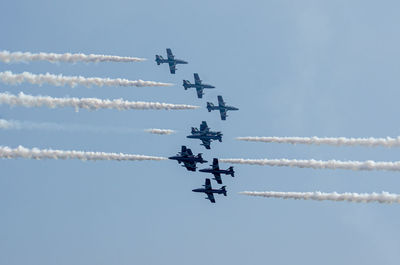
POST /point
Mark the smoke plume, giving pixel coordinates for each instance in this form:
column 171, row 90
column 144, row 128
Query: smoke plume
column 13, row 57
column 35, row 153
column 318, row 164
column 86, row 103
column 8, row 77
column 160, row 131
column 336, row 141
column 383, row 197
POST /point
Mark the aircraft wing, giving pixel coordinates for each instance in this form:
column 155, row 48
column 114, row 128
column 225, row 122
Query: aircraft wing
column 191, row 166
column 203, row 127
column 221, row 102
column 215, row 165
column 189, row 152
column 197, row 79
column 223, row 114
column 169, row 54
column 211, row 197
column 172, row 67
column 217, row 177
column 207, row 185
column 206, row 143
column 199, row 92
column 183, row 150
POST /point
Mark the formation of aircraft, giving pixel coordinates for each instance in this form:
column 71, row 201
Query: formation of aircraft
column 222, row 107
column 209, row 191
column 216, row 171
column 198, row 84
column 171, row 61
column 188, row 159
column 205, row 135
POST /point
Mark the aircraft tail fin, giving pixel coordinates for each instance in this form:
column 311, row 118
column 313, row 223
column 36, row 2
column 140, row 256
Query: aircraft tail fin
column 206, row 146
column 186, row 84
column 159, row 58
column 209, row 106
column 223, row 190
column 231, row 172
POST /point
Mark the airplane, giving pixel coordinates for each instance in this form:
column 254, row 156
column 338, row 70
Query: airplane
column 221, row 107
column 205, row 135
column 217, row 172
column 188, row 159
column 210, row 191
column 197, row 84
column 172, row 62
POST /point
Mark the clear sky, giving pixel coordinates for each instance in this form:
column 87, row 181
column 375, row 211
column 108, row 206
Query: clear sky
column 294, row 68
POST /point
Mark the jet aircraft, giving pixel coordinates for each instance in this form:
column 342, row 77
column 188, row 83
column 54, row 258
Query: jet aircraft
column 205, row 135
column 216, row 171
column 221, row 107
column 197, row 84
column 172, row 62
column 210, row 191
column 188, row 159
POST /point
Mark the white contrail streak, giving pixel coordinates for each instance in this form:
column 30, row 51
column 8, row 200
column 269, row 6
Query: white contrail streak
column 86, row 103
column 383, row 197
column 13, row 57
column 160, row 131
column 336, row 141
column 318, row 164
column 35, row 153
column 29, row 125
column 8, row 77
column 5, row 124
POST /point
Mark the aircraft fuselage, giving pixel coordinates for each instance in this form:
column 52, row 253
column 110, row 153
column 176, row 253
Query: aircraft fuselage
column 173, row 61
column 188, row 159
column 211, row 191
column 215, row 136
column 222, row 108
column 201, row 85
column 220, row 171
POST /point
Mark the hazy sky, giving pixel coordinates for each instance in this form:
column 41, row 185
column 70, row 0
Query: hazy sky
column 315, row 68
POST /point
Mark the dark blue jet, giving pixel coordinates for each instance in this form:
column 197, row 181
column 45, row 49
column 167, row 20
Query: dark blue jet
column 221, row 107
column 197, row 84
column 205, row 135
column 210, row 191
column 172, row 62
column 188, row 159
column 217, row 172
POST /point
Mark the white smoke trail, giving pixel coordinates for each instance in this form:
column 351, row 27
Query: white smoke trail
column 35, row 153
column 318, row 164
column 8, row 77
column 336, row 141
column 383, row 197
column 28, row 125
column 5, row 124
column 160, row 131
column 86, row 103
column 12, row 57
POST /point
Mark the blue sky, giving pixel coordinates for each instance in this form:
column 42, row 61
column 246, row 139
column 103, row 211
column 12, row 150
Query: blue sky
column 318, row 68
